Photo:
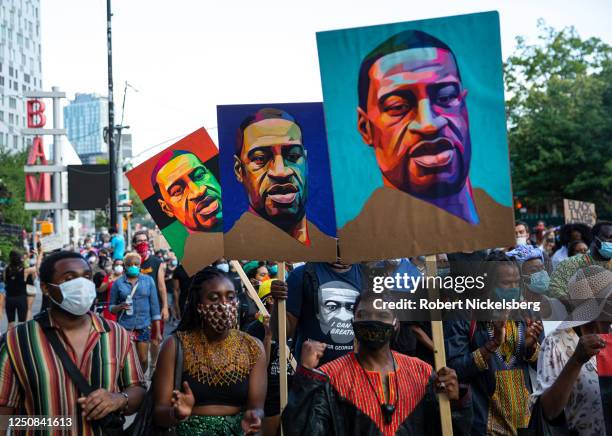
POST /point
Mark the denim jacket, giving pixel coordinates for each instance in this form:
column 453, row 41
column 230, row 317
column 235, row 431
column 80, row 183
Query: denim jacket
column 144, row 302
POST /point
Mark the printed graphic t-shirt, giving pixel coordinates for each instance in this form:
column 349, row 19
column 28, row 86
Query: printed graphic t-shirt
column 325, row 314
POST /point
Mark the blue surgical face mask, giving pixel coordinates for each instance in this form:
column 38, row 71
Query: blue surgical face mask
column 539, row 282
column 133, row 270
column 507, row 294
column 273, row 269
column 605, row 249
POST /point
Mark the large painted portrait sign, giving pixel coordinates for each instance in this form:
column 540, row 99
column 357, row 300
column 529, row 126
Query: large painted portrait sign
column 181, row 190
column 416, row 132
column 275, row 169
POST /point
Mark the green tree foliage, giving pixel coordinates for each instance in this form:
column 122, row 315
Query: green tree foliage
column 12, row 186
column 559, row 115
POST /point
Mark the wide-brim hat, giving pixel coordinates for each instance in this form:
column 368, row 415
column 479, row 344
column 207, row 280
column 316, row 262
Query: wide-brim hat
column 589, row 292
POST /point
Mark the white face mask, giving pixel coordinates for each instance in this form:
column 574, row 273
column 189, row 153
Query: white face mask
column 118, row 269
column 79, row 294
column 521, row 241
column 223, row 267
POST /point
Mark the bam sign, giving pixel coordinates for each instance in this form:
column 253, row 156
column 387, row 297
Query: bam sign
column 38, row 188
column 579, row 212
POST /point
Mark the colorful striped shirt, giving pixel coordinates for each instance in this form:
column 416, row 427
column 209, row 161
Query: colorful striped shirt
column 411, row 377
column 34, row 382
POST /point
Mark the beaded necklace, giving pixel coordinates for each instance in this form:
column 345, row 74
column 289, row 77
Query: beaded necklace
column 224, row 362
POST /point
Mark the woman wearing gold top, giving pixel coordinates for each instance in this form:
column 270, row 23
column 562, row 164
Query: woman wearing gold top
column 224, row 369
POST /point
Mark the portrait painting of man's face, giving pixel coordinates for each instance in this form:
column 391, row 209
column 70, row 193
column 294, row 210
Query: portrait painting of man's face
column 417, row 136
column 180, row 188
column 275, row 177
column 413, row 112
column 188, row 191
column 270, row 162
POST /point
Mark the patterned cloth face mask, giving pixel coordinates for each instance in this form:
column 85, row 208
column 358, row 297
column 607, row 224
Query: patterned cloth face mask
column 220, row 316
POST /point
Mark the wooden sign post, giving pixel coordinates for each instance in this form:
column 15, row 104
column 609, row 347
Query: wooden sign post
column 437, row 333
column 282, row 339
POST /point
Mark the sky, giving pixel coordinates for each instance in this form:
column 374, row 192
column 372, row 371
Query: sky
column 183, row 58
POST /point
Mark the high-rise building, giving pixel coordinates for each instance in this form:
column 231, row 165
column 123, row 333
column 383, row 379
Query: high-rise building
column 20, row 66
column 85, row 118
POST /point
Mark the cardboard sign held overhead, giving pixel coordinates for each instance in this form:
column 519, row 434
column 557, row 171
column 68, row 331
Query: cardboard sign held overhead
column 276, row 184
column 417, row 137
column 180, row 189
column 579, row 212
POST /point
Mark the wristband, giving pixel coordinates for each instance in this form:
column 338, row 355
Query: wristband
column 127, row 402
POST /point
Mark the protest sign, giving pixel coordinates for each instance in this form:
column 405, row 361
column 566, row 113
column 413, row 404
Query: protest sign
column 180, row 188
column 51, row 243
column 604, row 370
column 417, row 137
column 579, row 212
column 276, row 182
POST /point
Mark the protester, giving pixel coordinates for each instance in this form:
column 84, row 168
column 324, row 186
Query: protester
column 540, row 231
column 117, row 242
column 31, row 289
column 600, row 253
column 320, row 305
column 224, row 369
column 155, row 268
column 521, row 231
column 261, row 329
column 577, row 247
column 568, row 383
column 493, row 357
column 172, row 291
column 16, row 277
column 107, row 285
column 570, row 233
column 548, row 243
column 2, row 288
column 372, row 391
column 181, row 280
column 33, row 379
column 134, row 300
column 256, row 271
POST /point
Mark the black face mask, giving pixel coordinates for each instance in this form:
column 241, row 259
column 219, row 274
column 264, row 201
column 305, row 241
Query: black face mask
column 373, row 334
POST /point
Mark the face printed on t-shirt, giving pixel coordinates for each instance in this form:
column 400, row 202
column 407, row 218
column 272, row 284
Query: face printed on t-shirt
column 336, row 305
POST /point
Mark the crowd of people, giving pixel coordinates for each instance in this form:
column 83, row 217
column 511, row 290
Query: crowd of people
column 122, row 330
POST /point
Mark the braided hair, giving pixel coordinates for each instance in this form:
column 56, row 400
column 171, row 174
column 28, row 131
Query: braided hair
column 190, row 319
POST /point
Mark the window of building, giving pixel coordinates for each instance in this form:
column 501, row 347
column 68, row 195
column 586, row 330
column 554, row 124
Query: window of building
column 11, row 71
column 11, row 118
column 16, row 86
column 1, row 115
column 1, row 80
column 12, row 103
column 26, row 78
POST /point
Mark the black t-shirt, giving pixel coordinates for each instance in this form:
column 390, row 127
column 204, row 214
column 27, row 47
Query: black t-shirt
column 326, row 313
column 272, row 403
column 184, row 280
column 151, row 268
column 15, row 282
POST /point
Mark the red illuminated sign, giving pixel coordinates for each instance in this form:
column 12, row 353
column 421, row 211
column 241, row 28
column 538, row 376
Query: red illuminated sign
column 38, row 188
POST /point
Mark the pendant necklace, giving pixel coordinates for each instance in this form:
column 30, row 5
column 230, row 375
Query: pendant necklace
column 386, row 408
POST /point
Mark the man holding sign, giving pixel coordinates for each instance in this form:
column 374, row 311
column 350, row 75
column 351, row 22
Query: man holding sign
column 372, row 391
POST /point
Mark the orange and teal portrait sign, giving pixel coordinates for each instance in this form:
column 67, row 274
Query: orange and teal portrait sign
column 417, row 137
column 180, row 187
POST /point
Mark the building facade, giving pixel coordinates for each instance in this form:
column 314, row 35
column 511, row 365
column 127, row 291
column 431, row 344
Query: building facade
column 85, row 118
column 20, row 67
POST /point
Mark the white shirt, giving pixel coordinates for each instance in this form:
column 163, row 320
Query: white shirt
column 584, row 410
